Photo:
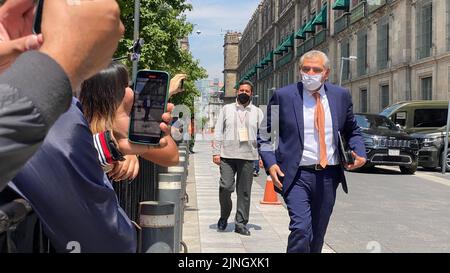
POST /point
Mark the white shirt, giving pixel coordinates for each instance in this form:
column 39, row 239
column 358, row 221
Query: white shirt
column 311, row 151
column 231, row 119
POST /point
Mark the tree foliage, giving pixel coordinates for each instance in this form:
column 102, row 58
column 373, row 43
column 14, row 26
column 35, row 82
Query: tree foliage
column 162, row 25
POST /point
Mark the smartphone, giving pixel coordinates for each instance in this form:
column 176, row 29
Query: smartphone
column 151, row 90
column 38, row 17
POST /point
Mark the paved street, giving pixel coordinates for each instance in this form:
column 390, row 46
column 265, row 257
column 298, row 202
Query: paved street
column 384, row 211
column 391, row 212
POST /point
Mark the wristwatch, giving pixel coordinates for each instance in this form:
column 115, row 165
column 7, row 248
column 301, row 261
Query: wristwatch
column 116, row 155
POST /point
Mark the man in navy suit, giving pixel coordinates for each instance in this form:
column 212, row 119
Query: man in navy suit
column 306, row 167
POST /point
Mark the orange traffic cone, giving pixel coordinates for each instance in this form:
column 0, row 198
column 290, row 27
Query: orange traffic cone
column 270, row 196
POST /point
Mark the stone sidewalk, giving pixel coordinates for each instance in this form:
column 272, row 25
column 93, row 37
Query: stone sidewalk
column 268, row 224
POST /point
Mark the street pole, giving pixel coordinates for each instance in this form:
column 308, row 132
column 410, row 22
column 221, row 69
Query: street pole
column 137, row 7
column 444, row 156
column 342, row 68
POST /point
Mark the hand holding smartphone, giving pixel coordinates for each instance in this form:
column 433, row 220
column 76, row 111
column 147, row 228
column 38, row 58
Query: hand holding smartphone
column 151, row 95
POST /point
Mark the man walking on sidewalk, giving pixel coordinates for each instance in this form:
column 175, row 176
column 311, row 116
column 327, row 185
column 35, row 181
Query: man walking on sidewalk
column 235, row 150
column 306, row 167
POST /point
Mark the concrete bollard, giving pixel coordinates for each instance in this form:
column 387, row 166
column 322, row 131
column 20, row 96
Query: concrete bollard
column 169, row 189
column 181, row 171
column 157, row 220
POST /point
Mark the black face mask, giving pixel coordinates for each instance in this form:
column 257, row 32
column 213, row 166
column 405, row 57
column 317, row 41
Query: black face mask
column 243, row 98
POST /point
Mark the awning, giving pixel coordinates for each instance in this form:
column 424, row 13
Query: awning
column 341, row 5
column 321, row 18
column 267, row 59
column 279, row 50
column 301, row 33
column 309, row 27
column 289, row 42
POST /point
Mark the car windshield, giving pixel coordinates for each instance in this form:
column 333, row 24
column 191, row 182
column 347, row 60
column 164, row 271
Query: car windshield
column 375, row 122
column 387, row 111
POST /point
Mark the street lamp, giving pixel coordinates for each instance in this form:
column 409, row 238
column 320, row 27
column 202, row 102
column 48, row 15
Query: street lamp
column 350, row 58
column 137, row 14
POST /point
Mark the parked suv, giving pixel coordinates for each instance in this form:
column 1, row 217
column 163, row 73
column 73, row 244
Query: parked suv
column 418, row 116
column 386, row 144
column 431, row 151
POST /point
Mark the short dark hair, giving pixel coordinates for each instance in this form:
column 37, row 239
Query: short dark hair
column 248, row 83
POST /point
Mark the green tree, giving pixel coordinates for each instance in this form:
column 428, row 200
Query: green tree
column 162, row 25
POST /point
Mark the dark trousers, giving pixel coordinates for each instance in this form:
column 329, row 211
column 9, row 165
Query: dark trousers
column 243, row 169
column 310, row 203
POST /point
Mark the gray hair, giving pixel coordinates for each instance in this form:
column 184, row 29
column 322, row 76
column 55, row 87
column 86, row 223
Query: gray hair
column 315, row 54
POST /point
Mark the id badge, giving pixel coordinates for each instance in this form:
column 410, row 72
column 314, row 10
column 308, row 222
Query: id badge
column 243, row 134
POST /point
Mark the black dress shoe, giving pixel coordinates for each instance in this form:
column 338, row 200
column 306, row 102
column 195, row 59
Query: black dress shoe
column 222, row 224
column 242, row 230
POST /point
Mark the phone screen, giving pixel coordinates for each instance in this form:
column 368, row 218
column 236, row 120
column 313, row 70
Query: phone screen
column 150, row 101
column 38, row 17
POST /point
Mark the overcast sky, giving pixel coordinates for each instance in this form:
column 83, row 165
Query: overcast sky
column 213, row 18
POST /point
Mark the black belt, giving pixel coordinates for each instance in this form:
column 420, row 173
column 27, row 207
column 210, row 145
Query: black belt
column 316, row 167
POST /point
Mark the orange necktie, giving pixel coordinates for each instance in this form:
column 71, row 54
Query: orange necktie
column 319, row 122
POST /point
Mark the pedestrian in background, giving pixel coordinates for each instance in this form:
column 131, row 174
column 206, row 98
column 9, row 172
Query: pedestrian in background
column 235, row 150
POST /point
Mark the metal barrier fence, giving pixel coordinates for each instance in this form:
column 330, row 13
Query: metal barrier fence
column 21, row 230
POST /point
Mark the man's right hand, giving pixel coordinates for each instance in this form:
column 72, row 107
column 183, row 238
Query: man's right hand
column 216, row 159
column 276, row 172
column 82, row 37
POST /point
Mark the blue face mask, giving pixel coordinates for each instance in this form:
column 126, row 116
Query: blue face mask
column 311, row 82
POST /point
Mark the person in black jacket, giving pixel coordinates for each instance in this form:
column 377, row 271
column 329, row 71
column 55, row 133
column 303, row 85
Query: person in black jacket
column 37, row 88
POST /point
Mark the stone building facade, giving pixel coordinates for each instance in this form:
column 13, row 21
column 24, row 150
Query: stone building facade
column 230, row 64
column 402, row 47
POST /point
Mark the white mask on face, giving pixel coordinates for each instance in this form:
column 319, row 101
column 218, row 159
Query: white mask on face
column 311, row 82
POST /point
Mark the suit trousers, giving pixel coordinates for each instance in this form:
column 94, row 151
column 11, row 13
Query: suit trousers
column 310, row 202
column 243, row 170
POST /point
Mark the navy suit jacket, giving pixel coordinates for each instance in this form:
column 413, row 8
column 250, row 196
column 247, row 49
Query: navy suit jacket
column 70, row 193
column 288, row 152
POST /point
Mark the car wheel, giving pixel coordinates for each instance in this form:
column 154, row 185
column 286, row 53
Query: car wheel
column 408, row 169
column 447, row 158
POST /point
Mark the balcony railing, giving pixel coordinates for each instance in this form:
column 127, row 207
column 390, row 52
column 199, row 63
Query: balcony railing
column 301, row 49
column 341, row 23
column 358, row 12
column 265, row 72
column 285, row 59
column 320, row 37
column 374, row 5
column 309, row 44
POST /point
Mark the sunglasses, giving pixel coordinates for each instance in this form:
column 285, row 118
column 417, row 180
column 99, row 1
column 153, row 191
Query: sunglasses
column 306, row 69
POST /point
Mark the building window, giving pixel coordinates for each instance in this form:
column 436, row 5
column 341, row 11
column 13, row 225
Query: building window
column 363, row 101
column 427, row 88
column 384, row 96
column 345, row 52
column 382, row 45
column 362, row 53
column 424, row 29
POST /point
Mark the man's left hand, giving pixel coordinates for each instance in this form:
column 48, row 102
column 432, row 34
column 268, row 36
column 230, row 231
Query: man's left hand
column 359, row 162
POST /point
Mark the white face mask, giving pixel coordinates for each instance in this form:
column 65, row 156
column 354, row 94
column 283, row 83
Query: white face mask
column 311, row 82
